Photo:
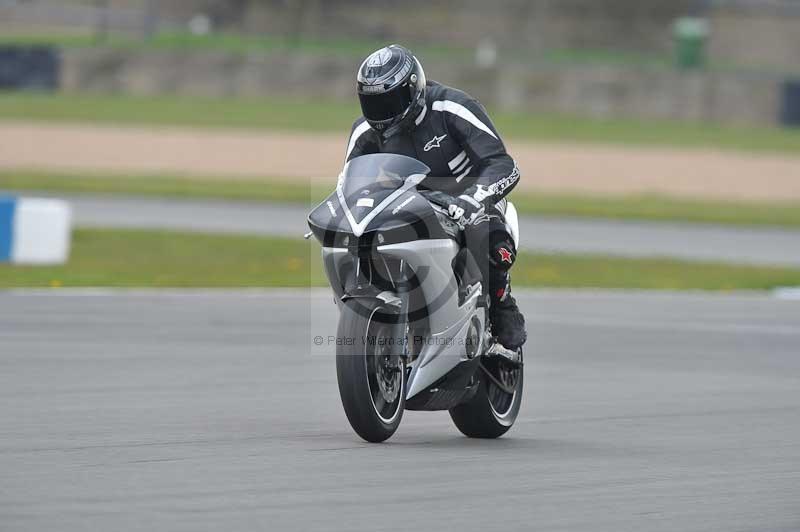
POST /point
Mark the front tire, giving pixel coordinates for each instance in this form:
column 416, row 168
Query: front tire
column 370, row 370
column 492, row 410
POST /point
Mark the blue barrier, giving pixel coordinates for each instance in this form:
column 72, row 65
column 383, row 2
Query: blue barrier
column 7, row 208
column 34, row 230
column 790, row 103
column 29, row 67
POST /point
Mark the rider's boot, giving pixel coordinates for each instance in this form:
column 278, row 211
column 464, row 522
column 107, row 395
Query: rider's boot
column 508, row 323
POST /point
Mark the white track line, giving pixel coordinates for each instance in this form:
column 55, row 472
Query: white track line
column 787, row 293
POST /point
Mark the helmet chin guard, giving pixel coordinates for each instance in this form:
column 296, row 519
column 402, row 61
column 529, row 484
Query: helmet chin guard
column 391, row 89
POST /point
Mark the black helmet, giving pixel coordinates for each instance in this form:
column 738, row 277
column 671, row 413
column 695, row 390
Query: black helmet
column 391, row 89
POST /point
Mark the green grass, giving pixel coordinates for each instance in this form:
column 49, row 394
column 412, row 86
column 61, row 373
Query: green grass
column 278, row 113
column 133, row 258
column 652, row 207
column 239, row 43
column 605, row 56
column 236, row 43
column 655, row 207
column 590, row 271
column 272, row 190
column 330, row 116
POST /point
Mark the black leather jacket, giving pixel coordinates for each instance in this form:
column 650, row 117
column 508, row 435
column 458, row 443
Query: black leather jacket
column 455, row 138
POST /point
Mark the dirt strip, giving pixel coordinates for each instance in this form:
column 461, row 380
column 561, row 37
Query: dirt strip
column 552, row 167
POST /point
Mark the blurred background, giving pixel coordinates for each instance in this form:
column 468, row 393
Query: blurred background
column 729, row 61
column 174, row 148
column 617, row 111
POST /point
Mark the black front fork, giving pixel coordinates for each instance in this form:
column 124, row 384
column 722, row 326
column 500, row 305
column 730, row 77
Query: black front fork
column 394, row 303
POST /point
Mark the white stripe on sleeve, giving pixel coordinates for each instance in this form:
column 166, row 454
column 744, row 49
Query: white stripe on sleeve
column 461, row 112
column 463, row 174
column 421, row 116
column 457, row 161
column 357, row 132
column 461, row 166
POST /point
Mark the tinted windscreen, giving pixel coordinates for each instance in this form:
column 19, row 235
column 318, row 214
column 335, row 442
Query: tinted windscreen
column 369, row 180
column 380, row 171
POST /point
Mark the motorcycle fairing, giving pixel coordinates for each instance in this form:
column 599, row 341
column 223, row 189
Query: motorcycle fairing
column 449, row 323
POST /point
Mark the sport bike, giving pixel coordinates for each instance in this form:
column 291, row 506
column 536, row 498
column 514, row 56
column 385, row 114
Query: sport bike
column 413, row 330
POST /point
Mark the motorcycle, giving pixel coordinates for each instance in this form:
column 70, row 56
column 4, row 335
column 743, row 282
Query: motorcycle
column 413, row 330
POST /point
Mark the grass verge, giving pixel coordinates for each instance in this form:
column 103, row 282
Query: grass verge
column 315, row 116
column 650, row 207
column 238, row 43
column 134, row 258
column 234, row 43
column 274, row 190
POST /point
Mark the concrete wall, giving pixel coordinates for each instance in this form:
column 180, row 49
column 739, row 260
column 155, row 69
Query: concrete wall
column 761, row 40
column 600, row 91
column 633, row 24
column 756, row 34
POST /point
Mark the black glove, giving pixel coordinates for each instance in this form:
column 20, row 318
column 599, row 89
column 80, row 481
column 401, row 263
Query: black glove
column 465, row 209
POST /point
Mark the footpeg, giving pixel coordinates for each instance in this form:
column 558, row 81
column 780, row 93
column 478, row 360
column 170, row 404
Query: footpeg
column 510, row 356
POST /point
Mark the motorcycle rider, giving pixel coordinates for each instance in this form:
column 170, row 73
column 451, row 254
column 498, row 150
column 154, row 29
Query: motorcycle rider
column 449, row 131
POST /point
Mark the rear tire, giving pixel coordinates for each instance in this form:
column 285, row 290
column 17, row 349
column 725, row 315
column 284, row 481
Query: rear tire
column 491, row 411
column 371, row 382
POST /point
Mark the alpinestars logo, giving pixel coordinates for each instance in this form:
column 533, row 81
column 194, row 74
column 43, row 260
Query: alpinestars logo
column 505, row 255
column 435, row 142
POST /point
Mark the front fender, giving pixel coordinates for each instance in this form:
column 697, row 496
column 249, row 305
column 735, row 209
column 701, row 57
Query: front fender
column 389, row 299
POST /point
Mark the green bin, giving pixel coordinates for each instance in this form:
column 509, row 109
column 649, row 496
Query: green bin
column 691, row 35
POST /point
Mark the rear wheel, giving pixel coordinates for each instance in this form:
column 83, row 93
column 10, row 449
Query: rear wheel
column 370, row 370
column 495, row 406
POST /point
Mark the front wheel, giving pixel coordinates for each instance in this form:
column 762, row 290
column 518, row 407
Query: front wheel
column 370, row 369
column 495, row 405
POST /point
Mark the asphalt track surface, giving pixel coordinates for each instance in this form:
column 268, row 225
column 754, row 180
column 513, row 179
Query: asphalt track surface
column 214, row 411
column 624, row 238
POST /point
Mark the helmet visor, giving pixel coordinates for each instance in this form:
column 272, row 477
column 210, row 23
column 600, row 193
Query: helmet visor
column 387, row 105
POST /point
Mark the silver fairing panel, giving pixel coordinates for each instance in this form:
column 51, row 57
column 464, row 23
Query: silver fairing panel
column 449, row 322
